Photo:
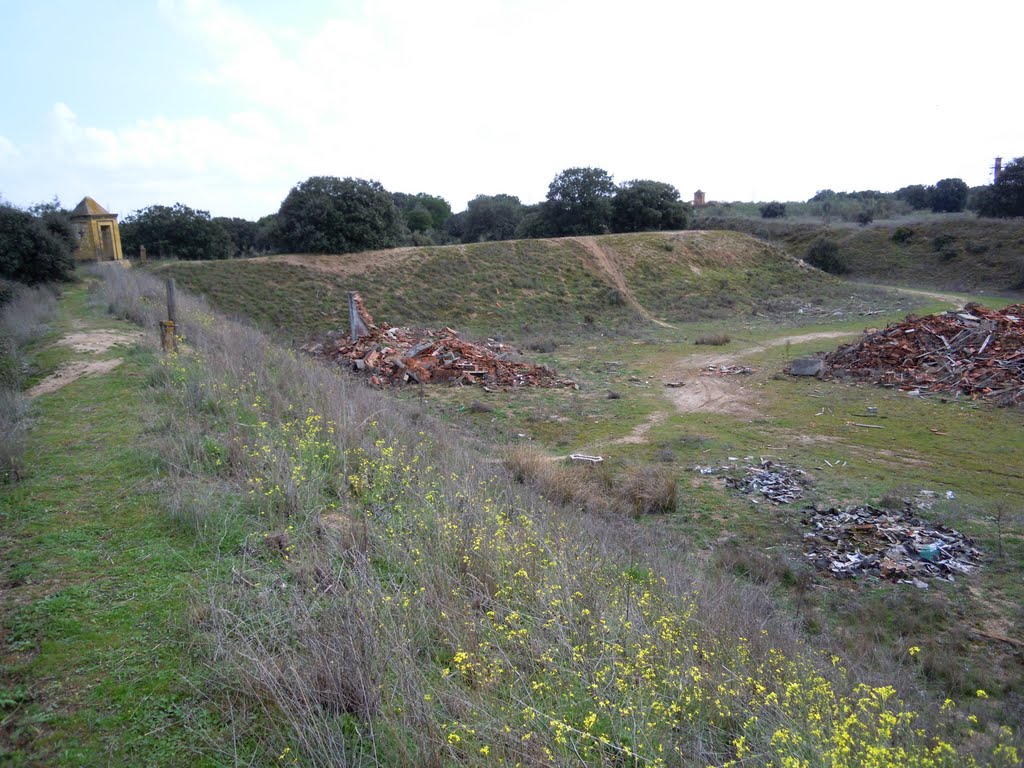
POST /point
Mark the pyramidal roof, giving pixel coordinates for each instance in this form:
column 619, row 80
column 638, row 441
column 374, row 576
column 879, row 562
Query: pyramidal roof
column 89, row 207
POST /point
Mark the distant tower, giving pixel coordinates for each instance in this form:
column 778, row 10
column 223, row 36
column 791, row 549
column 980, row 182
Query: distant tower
column 997, row 169
column 98, row 235
column 698, row 199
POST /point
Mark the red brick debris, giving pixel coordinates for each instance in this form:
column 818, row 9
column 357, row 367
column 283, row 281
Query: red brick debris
column 395, row 355
column 975, row 351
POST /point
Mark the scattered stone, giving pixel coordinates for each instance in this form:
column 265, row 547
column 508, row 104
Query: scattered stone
column 727, row 370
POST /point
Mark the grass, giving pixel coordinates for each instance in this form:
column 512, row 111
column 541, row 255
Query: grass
column 528, row 289
column 95, row 660
column 957, row 252
column 349, row 580
column 398, row 601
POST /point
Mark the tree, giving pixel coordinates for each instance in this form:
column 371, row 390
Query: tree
column 642, row 205
column 490, row 217
column 268, row 233
column 915, row 195
column 243, row 234
column 325, row 214
column 579, row 202
column 423, row 212
column 1005, row 197
column 773, row 210
column 175, row 231
column 948, row 196
column 30, row 251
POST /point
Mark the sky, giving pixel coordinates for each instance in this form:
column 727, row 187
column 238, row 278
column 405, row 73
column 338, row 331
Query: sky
column 225, row 106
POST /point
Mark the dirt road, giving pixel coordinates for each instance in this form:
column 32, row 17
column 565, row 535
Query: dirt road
column 732, row 395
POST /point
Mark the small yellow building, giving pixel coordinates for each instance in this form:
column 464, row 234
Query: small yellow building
column 99, row 239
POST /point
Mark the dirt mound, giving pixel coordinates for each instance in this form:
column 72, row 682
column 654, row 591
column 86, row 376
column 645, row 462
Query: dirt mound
column 393, row 355
column 974, row 351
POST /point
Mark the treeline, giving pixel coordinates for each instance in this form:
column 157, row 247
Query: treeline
column 327, row 214
column 1003, row 198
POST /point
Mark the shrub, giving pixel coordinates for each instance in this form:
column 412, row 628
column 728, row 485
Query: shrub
column 713, row 339
column 542, row 345
column 864, row 217
column 649, row 489
column 29, row 251
column 902, row 235
column 941, row 242
column 823, row 253
column 772, row 210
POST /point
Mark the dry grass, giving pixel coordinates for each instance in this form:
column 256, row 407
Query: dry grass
column 648, row 489
column 23, row 319
column 713, row 339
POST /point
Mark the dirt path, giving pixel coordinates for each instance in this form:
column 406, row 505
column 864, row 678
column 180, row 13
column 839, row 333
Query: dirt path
column 345, row 264
column 606, row 266
column 952, row 298
column 731, row 395
column 85, row 342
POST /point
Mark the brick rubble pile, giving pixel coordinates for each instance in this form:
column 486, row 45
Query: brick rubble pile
column 974, row 351
column 395, row 355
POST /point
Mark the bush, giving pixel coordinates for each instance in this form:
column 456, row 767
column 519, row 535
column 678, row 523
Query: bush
column 713, row 339
column 902, row 235
column 649, row 489
column 864, row 217
column 29, row 251
column 773, row 210
column 823, row 253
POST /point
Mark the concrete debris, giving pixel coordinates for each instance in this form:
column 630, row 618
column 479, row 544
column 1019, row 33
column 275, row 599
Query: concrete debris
column 891, row 544
column 395, row 355
column 806, row 366
column 727, row 370
column 776, row 482
column 976, row 351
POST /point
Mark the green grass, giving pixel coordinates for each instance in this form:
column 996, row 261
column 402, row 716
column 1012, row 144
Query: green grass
column 949, row 251
column 803, row 423
column 95, row 660
column 526, row 288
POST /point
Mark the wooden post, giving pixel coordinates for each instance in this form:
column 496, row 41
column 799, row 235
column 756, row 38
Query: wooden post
column 172, row 301
column 168, row 327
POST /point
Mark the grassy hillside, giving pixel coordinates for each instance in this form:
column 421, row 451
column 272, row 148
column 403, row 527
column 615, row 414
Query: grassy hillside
column 401, row 600
column 565, row 283
column 953, row 252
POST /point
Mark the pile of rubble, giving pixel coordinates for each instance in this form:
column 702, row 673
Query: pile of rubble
column 891, row 544
column 776, row 482
column 390, row 355
column 975, row 351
